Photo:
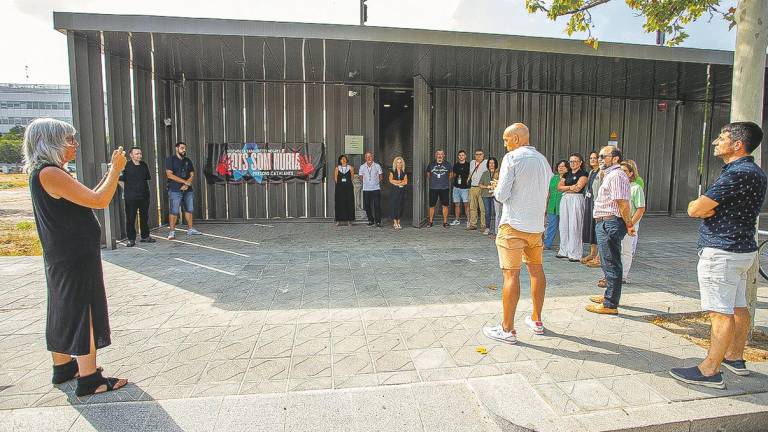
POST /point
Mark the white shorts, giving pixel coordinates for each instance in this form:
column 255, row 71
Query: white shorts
column 723, row 279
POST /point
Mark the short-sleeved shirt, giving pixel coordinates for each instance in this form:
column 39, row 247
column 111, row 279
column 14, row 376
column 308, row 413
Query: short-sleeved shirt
column 477, row 173
column 135, row 178
column 739, row 191
column 181, row 167
column 614, row 187
column 371, row 180
column 439, row 173
column 553, row 205
column 637, row 199
column 461, row 172
column 571, row 178
column 522, row 189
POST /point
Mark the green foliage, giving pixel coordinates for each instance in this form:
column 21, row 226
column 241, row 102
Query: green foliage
column 668, row 16
column 10, row 148
column 25, row 226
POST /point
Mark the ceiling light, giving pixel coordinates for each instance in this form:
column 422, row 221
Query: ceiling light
column 387, row 105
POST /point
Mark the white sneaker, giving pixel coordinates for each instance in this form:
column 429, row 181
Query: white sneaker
column 486, row 231
column 172, row 235
column 193, row 231
column 537, row 327
column 455, row 222
column 497, row 333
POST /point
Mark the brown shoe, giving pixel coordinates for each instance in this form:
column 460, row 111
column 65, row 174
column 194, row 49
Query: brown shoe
column 472, row 228
column 586, row 259
column 595, row 263
column 597, row 299
column 602, row 283
column 602, row 310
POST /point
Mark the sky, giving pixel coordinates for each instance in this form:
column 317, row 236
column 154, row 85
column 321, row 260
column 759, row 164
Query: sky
column 33, row 52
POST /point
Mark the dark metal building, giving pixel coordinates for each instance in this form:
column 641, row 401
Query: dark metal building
column 407, row 92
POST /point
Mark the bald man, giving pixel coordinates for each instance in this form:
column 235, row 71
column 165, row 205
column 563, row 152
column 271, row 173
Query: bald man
column 522, row 189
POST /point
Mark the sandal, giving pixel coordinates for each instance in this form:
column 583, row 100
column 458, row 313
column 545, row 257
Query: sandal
column 67, row 371
column 89, row 384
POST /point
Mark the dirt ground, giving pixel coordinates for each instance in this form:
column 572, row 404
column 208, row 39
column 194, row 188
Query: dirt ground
column 695, row 327
column 17, row 227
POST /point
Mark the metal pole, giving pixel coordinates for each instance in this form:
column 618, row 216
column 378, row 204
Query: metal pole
column 110, row 238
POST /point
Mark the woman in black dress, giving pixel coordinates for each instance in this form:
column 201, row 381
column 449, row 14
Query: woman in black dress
column 77, row 321
column 399, row 180
column 588, row 234
column 345, row 192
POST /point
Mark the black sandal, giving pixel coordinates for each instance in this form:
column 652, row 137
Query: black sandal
column 89, row 384
column 67, row 371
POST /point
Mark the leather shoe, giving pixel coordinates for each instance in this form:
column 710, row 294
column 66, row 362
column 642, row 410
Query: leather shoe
column 602, row 310
column 131, row 243
column 597, row 299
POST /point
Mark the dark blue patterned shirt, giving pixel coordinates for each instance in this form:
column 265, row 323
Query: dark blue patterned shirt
column 739, row 192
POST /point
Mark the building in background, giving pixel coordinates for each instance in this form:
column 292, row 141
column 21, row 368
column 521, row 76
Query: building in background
column 22, row 103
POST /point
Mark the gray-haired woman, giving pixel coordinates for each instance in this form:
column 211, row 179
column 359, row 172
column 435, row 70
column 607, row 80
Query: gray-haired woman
column 77, row 319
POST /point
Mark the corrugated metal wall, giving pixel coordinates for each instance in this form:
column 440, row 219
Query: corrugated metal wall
column 564, row 124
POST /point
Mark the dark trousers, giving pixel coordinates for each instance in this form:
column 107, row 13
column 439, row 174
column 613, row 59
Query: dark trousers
column 609, row 236
column 131, row 207
column 372, row 204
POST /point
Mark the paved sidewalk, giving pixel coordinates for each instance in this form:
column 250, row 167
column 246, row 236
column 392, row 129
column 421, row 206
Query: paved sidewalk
column 294, row 326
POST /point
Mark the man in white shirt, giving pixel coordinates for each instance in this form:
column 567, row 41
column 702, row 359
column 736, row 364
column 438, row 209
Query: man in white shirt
column 522, row 189
column 476, row 169
column 371, row 175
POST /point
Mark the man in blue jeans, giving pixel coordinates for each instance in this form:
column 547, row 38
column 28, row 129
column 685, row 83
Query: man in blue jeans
column 612, row 216
column 727, row 249
column 180, row 173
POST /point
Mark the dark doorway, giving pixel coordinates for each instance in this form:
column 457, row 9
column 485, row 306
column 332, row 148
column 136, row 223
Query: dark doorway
column 395, row 109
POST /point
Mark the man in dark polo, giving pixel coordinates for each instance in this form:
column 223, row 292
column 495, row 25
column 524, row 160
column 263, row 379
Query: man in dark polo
column 180, row 173
column 134, row 179
column 727, row 249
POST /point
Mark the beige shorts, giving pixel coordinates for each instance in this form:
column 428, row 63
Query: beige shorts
column 517, row 247
column 723, row 279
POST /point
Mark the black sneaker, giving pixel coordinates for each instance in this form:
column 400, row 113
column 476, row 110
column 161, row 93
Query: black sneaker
column 739, row 367
column 693, row 375
column 379, row 225
column 370, row 223
column 429, row 224
column 445, row 225
column 148, row 240
column 560, row 256
column 131, row 243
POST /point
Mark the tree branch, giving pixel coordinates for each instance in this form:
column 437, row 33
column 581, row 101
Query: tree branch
column 586, row 7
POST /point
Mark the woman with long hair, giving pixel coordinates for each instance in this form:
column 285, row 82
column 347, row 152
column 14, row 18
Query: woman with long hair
column 572, row 208
column 588, row 235
column 344, row 197
column 77, row 321
column 553, row 204
column 489, row 176
column 399, row 180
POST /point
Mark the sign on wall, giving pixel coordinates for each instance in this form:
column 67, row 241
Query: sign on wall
column 264, row 163
column 353, row 144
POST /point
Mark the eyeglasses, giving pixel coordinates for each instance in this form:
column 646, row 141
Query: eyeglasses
column 574, row 161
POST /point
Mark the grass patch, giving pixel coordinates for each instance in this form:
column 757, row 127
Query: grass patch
column 13, row 181
column 695, row 327
column 19, row 239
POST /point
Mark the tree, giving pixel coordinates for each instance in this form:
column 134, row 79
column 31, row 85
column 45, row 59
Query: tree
column 17, row 130
column 10, row 148
column 750, row 18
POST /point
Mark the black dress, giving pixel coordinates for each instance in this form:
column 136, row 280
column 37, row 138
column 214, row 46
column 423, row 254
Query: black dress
column 345, row 197
column 398, row 195
column 588, row 234
column 71, row 238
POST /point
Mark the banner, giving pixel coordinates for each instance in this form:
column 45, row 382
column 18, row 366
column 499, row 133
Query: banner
column 264, row 163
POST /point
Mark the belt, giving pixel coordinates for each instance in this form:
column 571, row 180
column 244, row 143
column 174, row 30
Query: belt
column 605, row 218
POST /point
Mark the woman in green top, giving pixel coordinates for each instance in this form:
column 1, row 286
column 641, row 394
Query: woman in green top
column 487, row 194
column 553, row 204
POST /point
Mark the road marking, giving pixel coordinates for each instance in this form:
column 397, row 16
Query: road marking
column 223, row 237
column 204, row 266
column 262, row 225
column 202, row 246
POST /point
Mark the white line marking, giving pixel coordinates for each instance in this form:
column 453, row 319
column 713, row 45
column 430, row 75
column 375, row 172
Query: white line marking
column 202, row 246
column 222, row 237
column 262, row 225
column 204, row 266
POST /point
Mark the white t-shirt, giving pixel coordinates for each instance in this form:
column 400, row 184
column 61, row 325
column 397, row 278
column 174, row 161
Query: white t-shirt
column 522, row 188
column 370, row 176
column 479, row 173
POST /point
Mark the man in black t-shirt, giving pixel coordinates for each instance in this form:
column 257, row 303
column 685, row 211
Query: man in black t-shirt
column 460, row 187
column 134, row 180
column 181, row 198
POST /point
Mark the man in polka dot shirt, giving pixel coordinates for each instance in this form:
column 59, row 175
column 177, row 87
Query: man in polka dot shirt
column 727, row 248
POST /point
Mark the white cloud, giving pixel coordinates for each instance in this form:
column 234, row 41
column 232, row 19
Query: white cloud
column 29, row 38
